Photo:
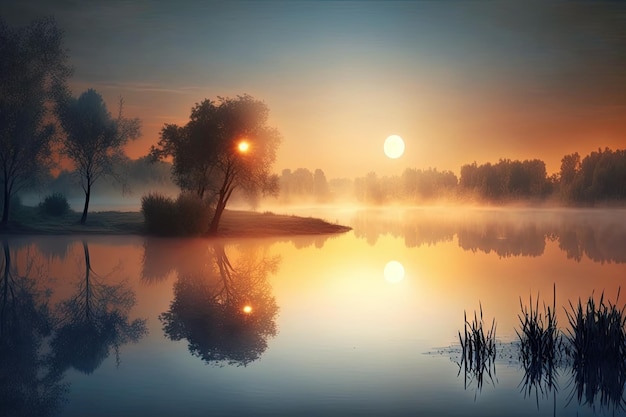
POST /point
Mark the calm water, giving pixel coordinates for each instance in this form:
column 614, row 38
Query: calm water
column 126, row 326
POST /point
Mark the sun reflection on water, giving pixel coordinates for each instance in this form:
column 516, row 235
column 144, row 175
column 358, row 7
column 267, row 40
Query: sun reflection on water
column 394, row 272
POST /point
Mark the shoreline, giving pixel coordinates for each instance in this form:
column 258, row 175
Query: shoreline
column 234, row 223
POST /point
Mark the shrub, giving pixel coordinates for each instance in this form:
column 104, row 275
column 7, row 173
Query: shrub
column 54, row 204
column 192, row 215
column 187, row 215
column 159, row 213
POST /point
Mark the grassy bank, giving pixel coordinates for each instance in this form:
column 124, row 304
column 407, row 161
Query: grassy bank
column 233, row 224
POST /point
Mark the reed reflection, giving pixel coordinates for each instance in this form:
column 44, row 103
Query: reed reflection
column 28, row 384
column 478, row 352
column 225, row 310
column 593, row 349
column 597, row 339
column 599, row 235
column 94, row 321
column 541, row 349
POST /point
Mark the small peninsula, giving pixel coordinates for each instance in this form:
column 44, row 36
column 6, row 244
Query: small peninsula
column 235, row 223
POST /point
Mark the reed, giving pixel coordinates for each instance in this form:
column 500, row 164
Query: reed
column 478, row 349
column 541, row 346
column 597, row 347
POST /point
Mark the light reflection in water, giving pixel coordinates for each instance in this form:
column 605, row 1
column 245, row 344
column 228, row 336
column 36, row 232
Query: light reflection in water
column 349, row 343
column 207, row 308
column 394, row 272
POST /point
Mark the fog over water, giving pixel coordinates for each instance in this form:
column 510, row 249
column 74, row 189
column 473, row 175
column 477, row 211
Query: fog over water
column 313, row 324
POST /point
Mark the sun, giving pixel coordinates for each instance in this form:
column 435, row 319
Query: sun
column 394, row 147
column 243, row 146
column 394, row 272
column 247, row 309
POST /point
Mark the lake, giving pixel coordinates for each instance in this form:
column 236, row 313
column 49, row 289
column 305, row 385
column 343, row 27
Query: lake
column 307, row 326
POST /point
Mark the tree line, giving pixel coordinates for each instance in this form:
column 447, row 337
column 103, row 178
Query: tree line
column 599, row 177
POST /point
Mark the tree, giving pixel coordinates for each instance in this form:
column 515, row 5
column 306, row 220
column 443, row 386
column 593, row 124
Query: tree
column 92, row 321
column 93, row 139
column 225, row 310
column 30, row 386
column 320, row 186
column 33, row 73
column 225, row 145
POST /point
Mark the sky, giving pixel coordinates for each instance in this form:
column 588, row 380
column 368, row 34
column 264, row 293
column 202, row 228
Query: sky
column 458, row 81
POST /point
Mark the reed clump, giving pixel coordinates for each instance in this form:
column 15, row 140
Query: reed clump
column 541, row 345
column 597, row 346
column 594, row 346
column 478, row 349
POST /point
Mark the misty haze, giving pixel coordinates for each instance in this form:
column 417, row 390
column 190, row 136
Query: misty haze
column 312, row 208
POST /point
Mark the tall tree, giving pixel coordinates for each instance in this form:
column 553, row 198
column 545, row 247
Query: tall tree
column 225, row 145
column 33, row 74
column 94, row 139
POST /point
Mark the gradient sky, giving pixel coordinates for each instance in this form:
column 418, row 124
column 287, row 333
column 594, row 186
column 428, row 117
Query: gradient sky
column 459, row 81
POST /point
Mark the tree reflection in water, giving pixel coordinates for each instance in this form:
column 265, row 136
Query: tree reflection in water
column 599, row 234
column 28, row 386
column 92, row 321
column 225, row 311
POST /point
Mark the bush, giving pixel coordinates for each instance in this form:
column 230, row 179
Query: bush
column 187, row 215
column 192, row 215
column 159, row 213
column 54, row 204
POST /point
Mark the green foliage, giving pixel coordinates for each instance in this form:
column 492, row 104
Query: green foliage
column 54, row 204
column 185, row 216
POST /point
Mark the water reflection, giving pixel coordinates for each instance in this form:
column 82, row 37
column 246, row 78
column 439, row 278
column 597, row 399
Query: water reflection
column 592, row 352
column 599, row 235
column 393, row 272
column 39, row 342
column 225, row 310
column 28, row 385
column 93, row 321
column 478, row 352
column 597, row 339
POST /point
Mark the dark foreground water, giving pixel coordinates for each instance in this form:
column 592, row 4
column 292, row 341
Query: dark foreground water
column 327, row 325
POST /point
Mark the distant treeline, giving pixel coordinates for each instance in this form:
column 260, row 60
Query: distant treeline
column 599, row 177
